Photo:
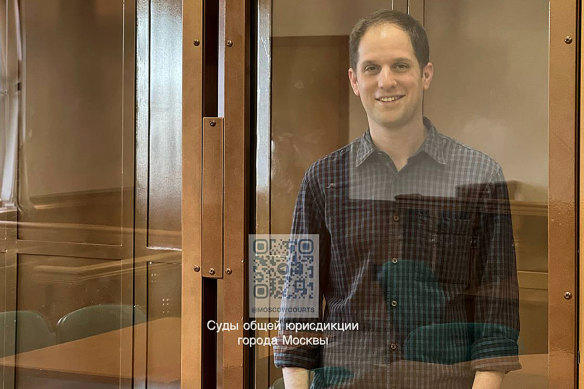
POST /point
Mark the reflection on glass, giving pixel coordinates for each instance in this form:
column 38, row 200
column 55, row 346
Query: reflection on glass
column 83, row 302
column 429, row 247
column 9, row 95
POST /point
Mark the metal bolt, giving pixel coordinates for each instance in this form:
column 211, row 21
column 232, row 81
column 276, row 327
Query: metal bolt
column 229, row 43
column 567, row 295
column 211, row 271
column 212, row 123
column 228, row 270
column 568, row 39
column 196, row 42
column 197, row 268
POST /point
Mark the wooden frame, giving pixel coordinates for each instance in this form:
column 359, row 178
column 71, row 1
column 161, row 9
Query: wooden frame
column 191, row 323
column 233, row 286
column 562, row 222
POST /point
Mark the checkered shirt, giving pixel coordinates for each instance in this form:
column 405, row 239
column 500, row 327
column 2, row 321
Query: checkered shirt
column 421, row 259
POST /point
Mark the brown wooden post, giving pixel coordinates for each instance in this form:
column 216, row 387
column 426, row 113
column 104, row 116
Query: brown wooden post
column 562, row 222
column 236, row 188
column 191, row 325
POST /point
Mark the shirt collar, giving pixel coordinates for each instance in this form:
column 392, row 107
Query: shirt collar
column 432, row 145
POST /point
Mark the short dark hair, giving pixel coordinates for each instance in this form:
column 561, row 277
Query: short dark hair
column 408, row 24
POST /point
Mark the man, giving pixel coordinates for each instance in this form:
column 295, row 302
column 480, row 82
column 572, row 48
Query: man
column 415, row 239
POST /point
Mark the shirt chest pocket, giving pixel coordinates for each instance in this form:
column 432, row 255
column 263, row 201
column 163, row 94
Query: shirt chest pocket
column 447, row 245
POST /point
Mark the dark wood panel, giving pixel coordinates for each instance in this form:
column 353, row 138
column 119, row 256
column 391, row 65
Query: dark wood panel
column 310, row 99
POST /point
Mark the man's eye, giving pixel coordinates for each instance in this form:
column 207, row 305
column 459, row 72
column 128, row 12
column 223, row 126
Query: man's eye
column 370, row 68
column 402, row 66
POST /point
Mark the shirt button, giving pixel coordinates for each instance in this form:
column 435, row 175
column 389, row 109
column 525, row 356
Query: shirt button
column 395, row 218
column 393, row 346
column 394, row 303
column 393, row 260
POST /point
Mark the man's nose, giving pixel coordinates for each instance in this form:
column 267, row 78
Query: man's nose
column 386, row 78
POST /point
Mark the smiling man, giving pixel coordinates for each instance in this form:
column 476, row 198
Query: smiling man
column 415, row 240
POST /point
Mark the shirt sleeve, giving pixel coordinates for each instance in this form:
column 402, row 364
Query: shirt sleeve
column 308, row 218
column 496, row 294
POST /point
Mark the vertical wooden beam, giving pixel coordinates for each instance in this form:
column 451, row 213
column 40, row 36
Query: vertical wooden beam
column 191, row 323
column 581, row 205
column 562, row 225
column 236, row 176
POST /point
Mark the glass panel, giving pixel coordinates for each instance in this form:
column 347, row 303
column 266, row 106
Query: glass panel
column 68, row 306
column 433, row 233
column 164, row 301
column 165, row 178
column 502, row 110
column 77, row 308
column 71, row 154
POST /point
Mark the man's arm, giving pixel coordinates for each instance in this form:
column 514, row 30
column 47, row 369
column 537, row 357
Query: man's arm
column 494, row 287
column 295, row 378
column 487, row 380
column 308, row 219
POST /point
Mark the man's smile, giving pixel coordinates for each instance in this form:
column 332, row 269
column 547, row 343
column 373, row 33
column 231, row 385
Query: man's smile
column 389, row 99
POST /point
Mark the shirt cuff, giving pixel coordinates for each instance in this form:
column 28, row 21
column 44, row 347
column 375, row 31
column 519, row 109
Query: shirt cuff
column 495, row 354
column 304, row 356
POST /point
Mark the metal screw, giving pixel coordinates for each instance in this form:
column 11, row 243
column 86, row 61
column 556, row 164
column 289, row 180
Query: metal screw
column 211, row 271
column 197, row 268
column 212, row 123
column 228, row 270
column 229, row 43
column 196, row 42
column 567, row 295
column 568, row 39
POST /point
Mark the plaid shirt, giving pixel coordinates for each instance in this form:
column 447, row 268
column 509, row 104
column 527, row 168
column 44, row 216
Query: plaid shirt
column 422, row 259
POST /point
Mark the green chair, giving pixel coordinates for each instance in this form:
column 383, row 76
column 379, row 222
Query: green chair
column 22, row 331
column 97, row 319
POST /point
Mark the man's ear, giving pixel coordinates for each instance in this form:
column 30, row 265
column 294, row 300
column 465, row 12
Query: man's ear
column 427, row 74
column 353, row 80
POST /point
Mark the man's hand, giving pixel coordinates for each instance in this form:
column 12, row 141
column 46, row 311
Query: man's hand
column 488, row 380
column 295, row 378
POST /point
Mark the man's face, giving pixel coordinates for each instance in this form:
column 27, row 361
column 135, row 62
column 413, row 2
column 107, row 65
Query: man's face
column 388, row 78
